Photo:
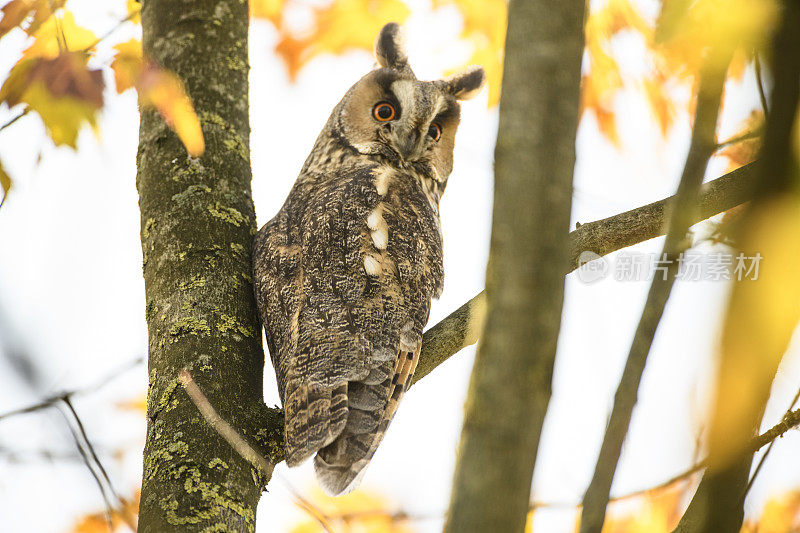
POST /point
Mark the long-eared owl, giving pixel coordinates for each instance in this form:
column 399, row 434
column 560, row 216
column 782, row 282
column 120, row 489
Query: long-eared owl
column 345, row 272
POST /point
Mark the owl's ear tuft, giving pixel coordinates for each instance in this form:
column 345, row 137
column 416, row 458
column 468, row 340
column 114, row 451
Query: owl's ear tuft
column 390, row 49
column 466, row 83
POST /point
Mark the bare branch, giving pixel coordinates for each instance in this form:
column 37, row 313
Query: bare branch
column 222, row 427
column 47, row 402
column 461, row 328
column 709, row 95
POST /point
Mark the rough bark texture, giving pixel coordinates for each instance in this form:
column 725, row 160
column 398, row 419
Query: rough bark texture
column 534, row 159
column 197, row 222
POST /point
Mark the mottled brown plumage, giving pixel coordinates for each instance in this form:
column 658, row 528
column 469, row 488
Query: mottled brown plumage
column 345, row 272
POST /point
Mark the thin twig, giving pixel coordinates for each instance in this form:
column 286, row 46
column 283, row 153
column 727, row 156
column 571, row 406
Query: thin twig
column 109, row 511
column 240, row 445
column 15, row 118
column 90, row 447
column 760, row 82
column 756, row 133
column 769, row 449
column 107, row 34
column 222, row 427
column 47, row 402
column 709, row 94
column 789, row 421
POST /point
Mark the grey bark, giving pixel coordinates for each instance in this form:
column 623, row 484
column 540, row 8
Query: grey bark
column 197, row 222
column 534, row 158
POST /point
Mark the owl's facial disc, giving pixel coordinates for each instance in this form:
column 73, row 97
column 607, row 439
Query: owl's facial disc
column 415, row 131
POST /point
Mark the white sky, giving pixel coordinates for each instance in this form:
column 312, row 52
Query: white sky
column 72, row 292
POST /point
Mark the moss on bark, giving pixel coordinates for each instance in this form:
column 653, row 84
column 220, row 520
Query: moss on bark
column 197, row 225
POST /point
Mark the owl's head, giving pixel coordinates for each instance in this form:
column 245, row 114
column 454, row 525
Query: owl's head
column 391, row 114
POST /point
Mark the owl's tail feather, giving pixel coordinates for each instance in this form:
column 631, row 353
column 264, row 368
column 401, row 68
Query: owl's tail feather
column 315, row 416
column 341, row 464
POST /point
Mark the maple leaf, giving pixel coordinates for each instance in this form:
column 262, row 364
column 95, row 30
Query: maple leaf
column 161, row 89
column 127, row 64
column 62, row 90
column 342, row 26
column 360, row 511
column 57, row 35
column 17, row 11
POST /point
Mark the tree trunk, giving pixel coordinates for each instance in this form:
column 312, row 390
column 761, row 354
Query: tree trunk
column 197, row 225
column 534, row 159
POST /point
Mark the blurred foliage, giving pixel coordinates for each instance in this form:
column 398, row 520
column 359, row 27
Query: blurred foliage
column 361, row 511
column 54, row 80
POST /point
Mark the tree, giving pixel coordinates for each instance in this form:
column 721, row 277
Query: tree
column 211, row 441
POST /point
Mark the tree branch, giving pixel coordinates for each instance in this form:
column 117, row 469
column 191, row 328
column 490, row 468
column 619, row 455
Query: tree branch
column 709, row 95
column 462, row 327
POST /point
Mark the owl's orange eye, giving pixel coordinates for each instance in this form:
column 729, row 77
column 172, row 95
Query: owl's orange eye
column 383, row 112
column 434, row 131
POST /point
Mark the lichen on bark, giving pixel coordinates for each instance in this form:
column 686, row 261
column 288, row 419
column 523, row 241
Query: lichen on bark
column 197, row 220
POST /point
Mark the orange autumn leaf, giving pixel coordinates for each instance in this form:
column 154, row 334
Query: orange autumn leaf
column 781, row 514
column 271, row 10
column 163, row 90
column 661, row 105
column 98, row 522
column 16, row 12
column 485, row 31
column 139, row 404
column 743, row 146
column 342, row 26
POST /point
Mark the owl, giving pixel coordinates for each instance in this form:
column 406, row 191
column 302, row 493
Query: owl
column 345, row 272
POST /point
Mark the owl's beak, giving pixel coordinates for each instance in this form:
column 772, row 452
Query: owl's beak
column 409, row 144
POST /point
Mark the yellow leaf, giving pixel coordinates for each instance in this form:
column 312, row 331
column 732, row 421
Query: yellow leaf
column 358, row 512
column 267, row 9
column 685, row 35
column 763, row 314
column 485, row 30
column 127, row 64
column 163, row 90
column 63, row 117
column 134, row 11
column 62, row 90
column 5, row 183
column 342, row 26
column 59, row 34
column 781, row 514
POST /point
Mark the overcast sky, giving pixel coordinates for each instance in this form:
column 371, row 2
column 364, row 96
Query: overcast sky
column 72, row 295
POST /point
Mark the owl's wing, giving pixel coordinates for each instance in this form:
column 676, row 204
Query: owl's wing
column 344, row 278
